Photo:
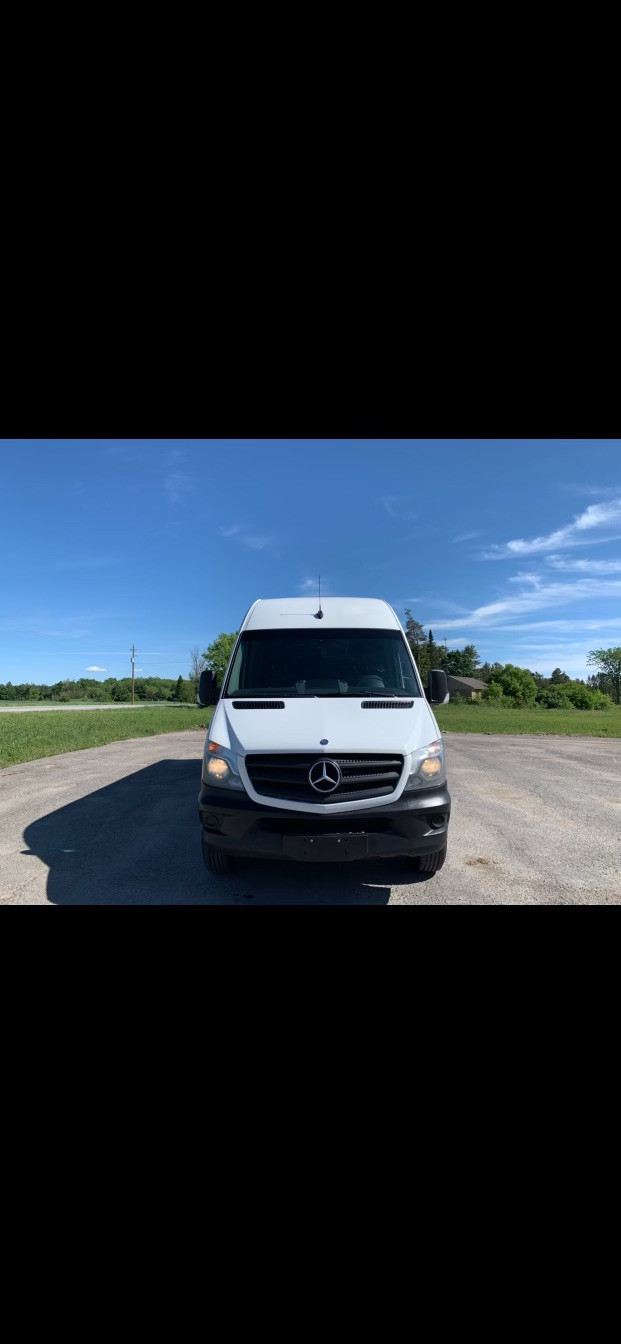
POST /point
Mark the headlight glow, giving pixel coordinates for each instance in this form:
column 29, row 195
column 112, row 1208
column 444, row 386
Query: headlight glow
column 220, row 767
column 427, row 765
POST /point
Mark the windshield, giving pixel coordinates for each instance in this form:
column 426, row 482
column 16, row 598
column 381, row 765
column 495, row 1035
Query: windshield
column 322, row 662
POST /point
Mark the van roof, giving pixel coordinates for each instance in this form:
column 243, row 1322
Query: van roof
column 273, row 613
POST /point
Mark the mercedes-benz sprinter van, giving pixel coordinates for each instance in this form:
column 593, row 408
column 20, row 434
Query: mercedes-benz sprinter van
column 323, row 745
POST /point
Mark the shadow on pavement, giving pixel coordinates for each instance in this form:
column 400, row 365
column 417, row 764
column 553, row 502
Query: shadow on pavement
column 137, row 842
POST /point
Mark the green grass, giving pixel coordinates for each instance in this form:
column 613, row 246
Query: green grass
column 139, row 704
column 482, row 718
column 28, row 737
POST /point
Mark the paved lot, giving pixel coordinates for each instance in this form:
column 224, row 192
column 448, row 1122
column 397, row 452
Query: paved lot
column 536, row 821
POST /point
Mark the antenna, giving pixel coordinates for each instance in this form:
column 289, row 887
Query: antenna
column 319, row 614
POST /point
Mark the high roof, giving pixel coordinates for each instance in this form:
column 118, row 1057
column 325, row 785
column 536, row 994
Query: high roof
column 272, row 613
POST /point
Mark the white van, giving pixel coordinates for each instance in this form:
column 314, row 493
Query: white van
column 322, row 745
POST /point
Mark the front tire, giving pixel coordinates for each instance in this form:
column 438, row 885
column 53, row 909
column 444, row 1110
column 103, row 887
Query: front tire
column 431, row 863
column 215, row 861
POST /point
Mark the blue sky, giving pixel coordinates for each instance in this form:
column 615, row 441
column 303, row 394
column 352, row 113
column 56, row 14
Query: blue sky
column 512, row 545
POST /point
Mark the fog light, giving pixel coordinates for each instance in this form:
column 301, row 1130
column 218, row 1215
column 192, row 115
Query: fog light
column 211, row 821
column 437, row 822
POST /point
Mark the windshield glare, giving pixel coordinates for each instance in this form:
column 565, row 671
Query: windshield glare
column 322, row 662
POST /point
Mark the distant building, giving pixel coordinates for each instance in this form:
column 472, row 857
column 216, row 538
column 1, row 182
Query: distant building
column 468, row 686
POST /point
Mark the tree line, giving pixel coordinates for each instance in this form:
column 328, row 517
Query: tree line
column 113, row 689
column 511, row 685
column 506, row 684
column 179, row 690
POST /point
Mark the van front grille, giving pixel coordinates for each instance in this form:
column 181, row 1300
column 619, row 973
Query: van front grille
column 285, row 776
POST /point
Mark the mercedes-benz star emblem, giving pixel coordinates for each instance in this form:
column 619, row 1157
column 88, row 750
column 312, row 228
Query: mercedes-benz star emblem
column 324, row 776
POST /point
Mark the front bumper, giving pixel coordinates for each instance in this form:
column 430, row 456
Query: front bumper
column 415, row 824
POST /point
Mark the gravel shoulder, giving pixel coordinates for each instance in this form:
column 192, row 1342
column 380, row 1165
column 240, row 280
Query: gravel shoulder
column 535, row 821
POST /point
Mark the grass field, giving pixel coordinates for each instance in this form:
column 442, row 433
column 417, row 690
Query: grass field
column 27, row 737
column 482, row 718
column 139, row 703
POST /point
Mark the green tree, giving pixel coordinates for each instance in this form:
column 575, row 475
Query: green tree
column 415, row 636
column 517, row 684
column 462, row 662
column 609, row 662
column 553, row 697
column 557, row 677
column 487, row 671
column 578, row 694
column 432, row 650
column 493, row 692
column 218, row 653
column 184, row 691
column 602, row 683
column 600, row 701
column 122, row 690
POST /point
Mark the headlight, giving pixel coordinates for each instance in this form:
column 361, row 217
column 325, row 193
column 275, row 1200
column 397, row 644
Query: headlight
column 427, row 766
column 219, row 767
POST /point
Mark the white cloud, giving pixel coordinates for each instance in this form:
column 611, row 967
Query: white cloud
column 311, row 586
column 568, row 564
column 605, row 515
column 467, row 536
column 94, row 668
column 258, row 543
column 537, row 595
column 526, row 577
column 393, row 504
column 560, row 626
column 176, row 486
column 592, row 489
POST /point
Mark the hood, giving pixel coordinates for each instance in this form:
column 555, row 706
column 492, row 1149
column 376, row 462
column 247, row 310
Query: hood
column 302, row 724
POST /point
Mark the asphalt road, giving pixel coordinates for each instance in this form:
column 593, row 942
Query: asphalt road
column 535, row 821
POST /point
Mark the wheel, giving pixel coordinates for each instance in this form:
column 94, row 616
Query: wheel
column 431, row 863
column 215, row 861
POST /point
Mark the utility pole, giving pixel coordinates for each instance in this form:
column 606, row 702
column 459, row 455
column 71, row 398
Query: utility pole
column 133, row 655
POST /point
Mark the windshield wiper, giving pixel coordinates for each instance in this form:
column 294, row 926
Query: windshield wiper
column 350, row 695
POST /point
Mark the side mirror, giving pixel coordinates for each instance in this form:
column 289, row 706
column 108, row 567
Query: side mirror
column 208, row 689
column 437, row 687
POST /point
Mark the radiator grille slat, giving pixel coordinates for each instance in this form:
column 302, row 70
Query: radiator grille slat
column 285, row 775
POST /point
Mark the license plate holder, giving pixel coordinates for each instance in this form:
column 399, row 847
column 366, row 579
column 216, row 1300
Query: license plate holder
column 325, row 848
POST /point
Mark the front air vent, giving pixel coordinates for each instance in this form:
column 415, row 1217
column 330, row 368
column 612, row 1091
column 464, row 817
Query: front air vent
column 387, row 704
column 258, row 704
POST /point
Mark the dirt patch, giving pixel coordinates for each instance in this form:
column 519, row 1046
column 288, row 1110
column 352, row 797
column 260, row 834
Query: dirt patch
column 471, row 860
